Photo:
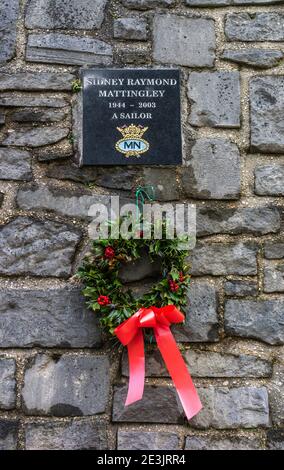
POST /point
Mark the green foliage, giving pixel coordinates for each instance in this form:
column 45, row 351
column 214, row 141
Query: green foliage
column 76, row 86
column 100, row 276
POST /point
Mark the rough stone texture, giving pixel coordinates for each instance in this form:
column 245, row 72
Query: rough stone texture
column 274, row 250
column 147, row 4
column 266, row 108
column 274, row 276
column 164, row 182
column 260, row 26
column 46, row 317
column 184, row 41
column 213, row 171
column 15, row 165
column 36, row 137
column 1, row 198
column 65, row 49
column 240, row 288
column 130, row 28
column 38, row 249
column 36, row 81
column 269, row 180
column 158, row 405
column 55, row 385
column 8, row 434
column 262, row 319
column 2, row 119
column 259, row 220
column 213, row 3
column 201, row 322
column 275, row 439
column 7, row 384
column 65, row 14
column 214, row 98
column 218, row 443
column 50, row 154
column 276, row 395
column 39, row 115
column 83, row 434
column 225, row 408
column 207, row 364
column 262, row 58
column 20, row 100
column 67, row 202
column 9, row 10
column 144, row 440
column 218, row 259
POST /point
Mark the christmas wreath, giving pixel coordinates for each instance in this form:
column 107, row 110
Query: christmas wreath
column 129, row 318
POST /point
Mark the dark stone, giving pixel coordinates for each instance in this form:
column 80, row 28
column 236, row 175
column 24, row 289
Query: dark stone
column 2, row 118
column 269, row 180
column 158, row 405
column 9, row 10
column 273, row 276
column 222, row 443
column 8, row 434
column 256, row 220
column 58, row 48
column 274, row 250
column 219, row 3
column 36, row 81
column 218, row 259
column 46, row 317
column 36, row 137
column 130, row 29
column 275, row 439
column 266, row 111
column 65, row 14
column 260, row 26
column 15, row 165
column 56, row 152
column 40, row 115
column 38, row 249
column 213, row 170
column 7, row 383
column 257, row 319
column 147, row 4
column 276, row 394
column 214, row 98
column 146, row 440
column 55, row 386
column 82, row 434
column 30, row 101
column 240, row 288
column 262, row 58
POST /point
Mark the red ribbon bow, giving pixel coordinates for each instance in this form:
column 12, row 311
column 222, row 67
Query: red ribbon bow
column 130, row 334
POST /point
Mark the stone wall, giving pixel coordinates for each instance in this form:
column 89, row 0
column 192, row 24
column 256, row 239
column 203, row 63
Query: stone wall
column 61, row 386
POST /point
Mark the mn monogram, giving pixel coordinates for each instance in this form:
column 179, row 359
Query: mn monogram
column 131, row 116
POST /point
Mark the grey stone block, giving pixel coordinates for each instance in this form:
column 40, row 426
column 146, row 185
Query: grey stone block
column 207, row 364
column 276, row 395
column 261, row 58
column 82, row 434
column 60, row 48
column 261, row 320
column 275, row 439
column 15, row 165
column 274, row 276
column 2, row 119
column 146, row 440
column 24, row 100
column 130, row 28
column 240, row 288
column 36, row 137
column 274, row 250
column 9, row 10
column 222, row 443
column 218, row 259
column 65, row 14
column 40, row 115
column 147, row 4
column 230, row 408
column 72, row 203
column 184, row 41
column 36, row 81
column 69, row 385
column 214, row 98
column 260, row 26
column 256, row 220
column 213, row 170
column 269, row 180
column 266, row 111
column 38, row 249
column 159, row 405
column 8, row 434
column 7, row 384
column 219, row 3
column 47, row 318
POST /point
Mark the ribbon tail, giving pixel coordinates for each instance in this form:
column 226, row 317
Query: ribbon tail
column 178, row 370
column 136, row 360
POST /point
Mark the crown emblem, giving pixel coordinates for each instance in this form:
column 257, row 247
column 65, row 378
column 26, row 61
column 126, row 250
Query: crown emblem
column 132, row 144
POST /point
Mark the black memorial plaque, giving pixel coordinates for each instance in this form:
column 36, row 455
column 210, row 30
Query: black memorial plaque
column 131, row 117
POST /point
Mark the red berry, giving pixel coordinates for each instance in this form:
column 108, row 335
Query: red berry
column 109, row 252
column 103, row 300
